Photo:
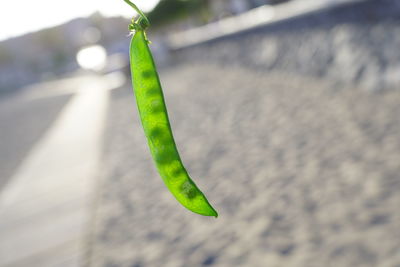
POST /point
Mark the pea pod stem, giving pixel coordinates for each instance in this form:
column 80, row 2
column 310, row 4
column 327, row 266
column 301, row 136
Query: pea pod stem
column 138, row 11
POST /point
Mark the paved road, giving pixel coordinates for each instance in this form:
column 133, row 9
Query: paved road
column 302, row 173
column 22, row 122
column 45, row 205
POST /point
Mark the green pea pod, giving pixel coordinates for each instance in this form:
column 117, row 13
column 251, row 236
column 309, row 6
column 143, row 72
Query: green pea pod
column 155, row 122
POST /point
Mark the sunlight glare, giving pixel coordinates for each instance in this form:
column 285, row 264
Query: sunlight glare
column 39, row 14
column 92, row 57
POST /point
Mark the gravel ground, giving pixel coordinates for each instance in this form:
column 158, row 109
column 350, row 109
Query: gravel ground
column 302, row 173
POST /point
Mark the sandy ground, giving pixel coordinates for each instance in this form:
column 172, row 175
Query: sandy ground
column 301, row 172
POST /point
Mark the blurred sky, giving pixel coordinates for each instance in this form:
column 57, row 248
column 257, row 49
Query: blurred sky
column 18, row 17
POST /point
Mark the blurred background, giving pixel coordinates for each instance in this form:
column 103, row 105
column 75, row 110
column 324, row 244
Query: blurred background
column 286, row 114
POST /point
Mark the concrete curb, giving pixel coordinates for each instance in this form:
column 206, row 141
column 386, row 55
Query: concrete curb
column 252, row 19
